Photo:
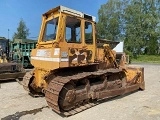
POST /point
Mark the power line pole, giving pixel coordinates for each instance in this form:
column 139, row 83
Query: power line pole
column 8, row 34
column 8, row 46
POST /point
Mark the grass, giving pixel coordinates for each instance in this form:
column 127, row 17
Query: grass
column 146, row 59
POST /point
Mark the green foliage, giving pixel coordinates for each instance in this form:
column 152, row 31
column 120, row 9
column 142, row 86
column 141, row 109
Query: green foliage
column 133, row 36
column 129, row 53
column 137, row 22
column 110, row 20
column 22, row 31
column 142, row 30
column 147, row 59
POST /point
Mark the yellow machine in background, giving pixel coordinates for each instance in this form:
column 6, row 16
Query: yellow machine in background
column 72, row 68
column 3, row 59
column 8, row 69
column 4, row 49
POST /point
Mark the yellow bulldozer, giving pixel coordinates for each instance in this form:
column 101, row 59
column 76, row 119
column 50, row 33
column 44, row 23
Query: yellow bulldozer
column 72, row 68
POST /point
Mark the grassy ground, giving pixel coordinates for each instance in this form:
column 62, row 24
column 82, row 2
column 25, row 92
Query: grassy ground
column 146, row 59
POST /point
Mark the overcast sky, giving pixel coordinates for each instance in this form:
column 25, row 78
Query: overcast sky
column 11, row 11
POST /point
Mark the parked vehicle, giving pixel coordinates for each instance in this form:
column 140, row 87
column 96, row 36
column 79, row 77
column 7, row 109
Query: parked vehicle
column 20, row 50
column 8, row 69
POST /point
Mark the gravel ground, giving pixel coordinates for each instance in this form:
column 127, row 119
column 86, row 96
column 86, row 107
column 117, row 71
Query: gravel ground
column 15, row 103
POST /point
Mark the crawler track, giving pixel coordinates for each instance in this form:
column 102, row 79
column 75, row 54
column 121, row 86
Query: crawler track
column 26, row 80
column 72, row 94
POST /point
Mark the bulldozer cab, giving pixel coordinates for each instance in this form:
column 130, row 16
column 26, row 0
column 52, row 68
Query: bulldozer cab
column 67, row 38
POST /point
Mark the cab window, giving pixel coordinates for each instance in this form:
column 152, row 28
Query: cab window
column 73, row 30
column 88, row 33
column 51, row 29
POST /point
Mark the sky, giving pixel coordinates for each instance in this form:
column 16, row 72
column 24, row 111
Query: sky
column 12, row 11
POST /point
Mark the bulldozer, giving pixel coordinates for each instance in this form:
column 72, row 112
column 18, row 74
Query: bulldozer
column 8, row 69
column 72, row 69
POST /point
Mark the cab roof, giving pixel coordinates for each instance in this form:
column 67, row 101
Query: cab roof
column 71, row 12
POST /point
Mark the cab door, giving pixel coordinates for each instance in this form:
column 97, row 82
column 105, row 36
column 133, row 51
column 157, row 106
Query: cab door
column 89, row 40
column 73, row 44
column 78, row 48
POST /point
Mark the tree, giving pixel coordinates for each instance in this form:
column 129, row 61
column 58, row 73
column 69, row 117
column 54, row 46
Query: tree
column 22, row 31
column 142, row 29
column 134, row 30
column 137, row 22
column 111, row 20
column 151, row 25
column 108, row 24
